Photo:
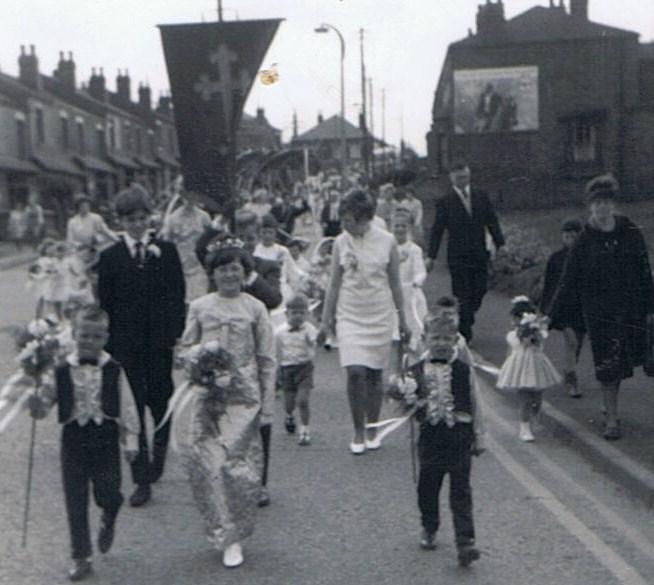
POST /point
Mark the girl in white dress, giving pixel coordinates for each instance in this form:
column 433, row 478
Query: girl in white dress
column 527, row 369
column 412, row 276
column 364, row 292
column 269, row 249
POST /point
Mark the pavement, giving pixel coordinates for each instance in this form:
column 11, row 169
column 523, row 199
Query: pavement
column 11, row 257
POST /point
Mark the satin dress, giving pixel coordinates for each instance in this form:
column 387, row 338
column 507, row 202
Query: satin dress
column 223, row 453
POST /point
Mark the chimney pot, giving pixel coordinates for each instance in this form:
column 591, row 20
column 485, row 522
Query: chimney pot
column 32, row 49
column 22, row 49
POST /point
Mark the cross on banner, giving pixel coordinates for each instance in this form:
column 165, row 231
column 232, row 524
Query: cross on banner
column 227, row 84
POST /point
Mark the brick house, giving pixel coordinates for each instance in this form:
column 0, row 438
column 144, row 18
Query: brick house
column 541, row 102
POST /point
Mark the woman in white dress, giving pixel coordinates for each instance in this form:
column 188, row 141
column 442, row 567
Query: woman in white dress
column 183, row 227
column 363, row 294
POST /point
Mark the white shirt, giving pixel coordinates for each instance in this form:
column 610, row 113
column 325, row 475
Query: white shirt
column 87, row 387
column 464, row 195
column 131, row 244
column 295, row 347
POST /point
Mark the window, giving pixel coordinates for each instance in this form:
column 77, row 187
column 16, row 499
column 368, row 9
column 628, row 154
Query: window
column 65, row 139
column 21, row 139
column 40, row 126
column 139, row 140
column 152, row 143
column 584, row 141
column 81, row 143
column 102, row 144
column 112, row 136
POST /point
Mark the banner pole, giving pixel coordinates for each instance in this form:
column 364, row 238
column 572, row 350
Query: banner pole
column 28, row 487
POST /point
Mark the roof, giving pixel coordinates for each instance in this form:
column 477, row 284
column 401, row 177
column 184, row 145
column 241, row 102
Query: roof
column 543, row 24
column 330, row 129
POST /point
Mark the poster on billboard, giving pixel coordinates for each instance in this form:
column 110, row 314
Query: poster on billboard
column 496, row 100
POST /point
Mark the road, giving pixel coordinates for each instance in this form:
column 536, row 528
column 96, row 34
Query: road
column 543, row 514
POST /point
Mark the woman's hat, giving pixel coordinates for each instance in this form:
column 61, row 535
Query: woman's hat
column 602, row 187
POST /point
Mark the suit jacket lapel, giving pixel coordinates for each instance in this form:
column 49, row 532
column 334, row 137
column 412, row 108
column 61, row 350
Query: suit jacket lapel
column 462, row 207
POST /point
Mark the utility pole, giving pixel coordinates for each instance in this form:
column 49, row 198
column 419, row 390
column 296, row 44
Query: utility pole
column 220, row 10
column 372, row 128
column 383, row 129
column 364, row 130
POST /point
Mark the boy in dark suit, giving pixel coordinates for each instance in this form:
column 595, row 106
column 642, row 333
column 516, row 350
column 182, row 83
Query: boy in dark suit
column 465, row 213
column 451, row 431
column 141, row 287
column 96, row 410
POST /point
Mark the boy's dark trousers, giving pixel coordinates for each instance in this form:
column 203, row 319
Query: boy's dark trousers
column 89, row 454
column 444, row 450
column 149, row 375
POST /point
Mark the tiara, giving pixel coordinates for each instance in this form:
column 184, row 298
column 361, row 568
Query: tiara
column 520, row 299
column 225, row 243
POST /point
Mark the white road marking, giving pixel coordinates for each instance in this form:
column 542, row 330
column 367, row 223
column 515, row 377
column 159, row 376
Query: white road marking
column 609, row 558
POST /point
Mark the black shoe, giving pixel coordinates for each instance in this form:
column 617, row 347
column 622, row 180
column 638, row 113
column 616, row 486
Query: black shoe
column 467, row 554
column 428, row 540
column 290, row 425
column 157, row 465
column 81, row 569
column 106, row 533
column 141, row 496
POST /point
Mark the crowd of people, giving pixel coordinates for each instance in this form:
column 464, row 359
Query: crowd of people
column 241, row 308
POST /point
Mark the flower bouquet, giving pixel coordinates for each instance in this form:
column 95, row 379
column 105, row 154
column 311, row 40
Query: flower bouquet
column 39, row 350
column 532, row 329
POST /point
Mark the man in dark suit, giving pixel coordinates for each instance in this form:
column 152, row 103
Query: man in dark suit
column 141, row 287
column 466, row 214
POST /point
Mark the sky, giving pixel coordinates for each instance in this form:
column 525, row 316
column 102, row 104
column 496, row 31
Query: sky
column 405, row 42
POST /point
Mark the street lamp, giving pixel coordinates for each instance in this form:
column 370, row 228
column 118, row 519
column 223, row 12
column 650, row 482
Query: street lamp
column 325, row 28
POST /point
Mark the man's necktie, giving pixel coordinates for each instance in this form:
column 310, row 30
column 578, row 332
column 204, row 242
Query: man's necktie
column 138, row 254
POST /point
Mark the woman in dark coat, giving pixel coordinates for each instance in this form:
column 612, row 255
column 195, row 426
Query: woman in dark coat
column 609, row 270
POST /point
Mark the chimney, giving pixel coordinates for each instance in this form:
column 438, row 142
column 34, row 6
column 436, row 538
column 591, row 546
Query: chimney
column 122, row 87
column 320, row 118
column 294, row 124
column 261, row 115
column 490, row 19
column 145, row 98
column 28, row 67
column 97, row 88
column 579, row 9
column 65, row 72
column 165, row 104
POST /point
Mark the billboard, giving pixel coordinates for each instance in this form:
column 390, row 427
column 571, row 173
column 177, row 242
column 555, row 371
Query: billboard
column 495, row 100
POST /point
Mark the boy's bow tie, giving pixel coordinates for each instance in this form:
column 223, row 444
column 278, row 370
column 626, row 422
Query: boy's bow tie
column 292, row 329
column 88, row 361
column 438, row 361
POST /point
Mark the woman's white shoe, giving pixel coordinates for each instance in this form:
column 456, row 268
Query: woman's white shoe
column 357, row 448
column 525, row 433
column 233, row 555
column 373, row 444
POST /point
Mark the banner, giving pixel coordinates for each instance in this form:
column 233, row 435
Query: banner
column 211, row 67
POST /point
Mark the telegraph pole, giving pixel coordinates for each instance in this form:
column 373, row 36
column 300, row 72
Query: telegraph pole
column 372, row 128
column 383, row 129
column 364, row 130
column 220, row 10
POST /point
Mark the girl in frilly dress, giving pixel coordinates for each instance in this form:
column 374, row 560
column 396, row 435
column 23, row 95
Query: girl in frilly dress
column 527, row 369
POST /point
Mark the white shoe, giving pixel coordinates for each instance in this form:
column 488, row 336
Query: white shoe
column 305, row 437
column 357, row 448
column 373, row 444
column 525, row 433
column 233, row 556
